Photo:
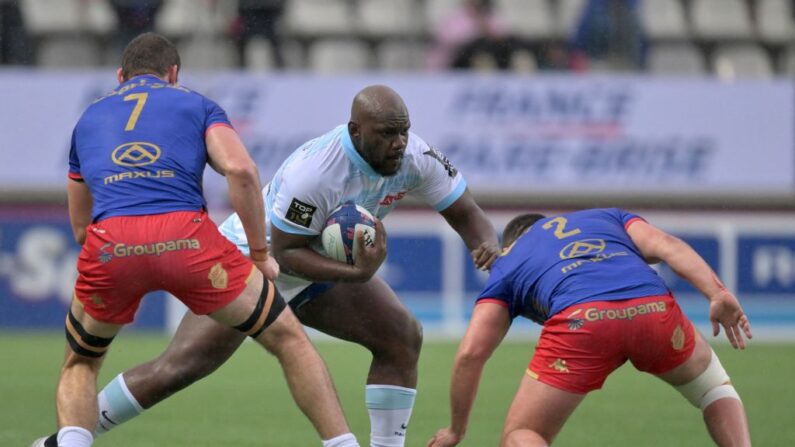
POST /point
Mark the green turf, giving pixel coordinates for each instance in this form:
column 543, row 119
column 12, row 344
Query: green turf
column 246, row 402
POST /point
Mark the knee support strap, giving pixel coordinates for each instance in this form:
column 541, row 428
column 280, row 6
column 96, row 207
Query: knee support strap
column 268, row 308
column 711, row 385
column 82, row 342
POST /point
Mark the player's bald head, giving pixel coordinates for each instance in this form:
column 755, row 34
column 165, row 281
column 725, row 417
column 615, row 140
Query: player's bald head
column 377, row 102
column 379, row 128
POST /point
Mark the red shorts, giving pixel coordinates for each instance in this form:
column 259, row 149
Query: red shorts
column 182, row 253
column 581, row 345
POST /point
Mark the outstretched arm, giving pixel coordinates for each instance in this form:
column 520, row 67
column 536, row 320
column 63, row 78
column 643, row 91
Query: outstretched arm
column 724, row 309
column 469, row 221
column 490, row 322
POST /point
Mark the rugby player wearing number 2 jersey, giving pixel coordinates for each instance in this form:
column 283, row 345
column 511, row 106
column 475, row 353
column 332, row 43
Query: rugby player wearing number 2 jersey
column 136, row 207
column 585, row 277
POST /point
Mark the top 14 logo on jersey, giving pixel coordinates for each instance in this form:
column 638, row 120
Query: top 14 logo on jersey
column 300, row 213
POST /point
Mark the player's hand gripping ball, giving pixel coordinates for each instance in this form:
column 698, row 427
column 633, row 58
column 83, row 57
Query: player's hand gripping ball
column 339, row 235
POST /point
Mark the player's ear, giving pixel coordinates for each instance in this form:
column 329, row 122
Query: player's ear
column 353, row 129
column 119, row 76
column 173, row 74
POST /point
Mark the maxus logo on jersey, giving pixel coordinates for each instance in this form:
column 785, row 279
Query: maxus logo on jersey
column 627, row 313
column 122, row 250
column 129, row 175
column 135, row 154
column 582, row 247
column 586, row 247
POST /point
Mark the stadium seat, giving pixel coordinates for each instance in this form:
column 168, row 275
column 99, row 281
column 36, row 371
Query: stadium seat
column 721, row 19
column 100, row 17
column 788, row 61
column 312, row 18
column 68, row 52
column 741, row 61
column 381, row 18
column 437, row 10
column 258, row 54
column 523, row 62
column 774, row 22
column 663, row 19
column 676, row 59
column 401, row 56
column 567, row 16
column 338, row 56
column 43, row 17
column 531, row 19
column 179, row 18
column 207, row 52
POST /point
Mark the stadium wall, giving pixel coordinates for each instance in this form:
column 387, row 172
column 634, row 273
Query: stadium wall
column 428, row 266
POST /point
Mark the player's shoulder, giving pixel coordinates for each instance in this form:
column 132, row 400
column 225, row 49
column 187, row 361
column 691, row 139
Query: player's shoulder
column 416, row 145
column 323, row 153
column 420, row 153
column 319, row 161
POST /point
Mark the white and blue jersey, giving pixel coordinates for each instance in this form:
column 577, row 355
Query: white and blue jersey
column 327, row 171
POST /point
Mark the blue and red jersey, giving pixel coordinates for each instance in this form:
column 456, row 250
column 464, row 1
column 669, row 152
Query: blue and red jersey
column 141, row 148
column 569, row 259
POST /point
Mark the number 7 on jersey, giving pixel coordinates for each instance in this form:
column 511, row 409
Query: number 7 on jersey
column 140, row 99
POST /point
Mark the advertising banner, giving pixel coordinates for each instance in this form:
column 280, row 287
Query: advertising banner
column 507, row 134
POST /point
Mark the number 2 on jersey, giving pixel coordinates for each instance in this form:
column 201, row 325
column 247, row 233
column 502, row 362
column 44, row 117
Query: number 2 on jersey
column 560, row 225
column 140, row 99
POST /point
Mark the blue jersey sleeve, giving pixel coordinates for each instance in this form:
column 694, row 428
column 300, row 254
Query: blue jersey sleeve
column 495, row 290
column 628, row 218
column 215, row 115
column 74, row 162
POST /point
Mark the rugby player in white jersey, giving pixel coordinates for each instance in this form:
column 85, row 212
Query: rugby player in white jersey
column 374, row 161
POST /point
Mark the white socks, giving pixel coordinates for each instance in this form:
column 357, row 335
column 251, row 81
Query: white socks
column 390, row 410
column 346, row 440
column 74, row 437
column 116, row 405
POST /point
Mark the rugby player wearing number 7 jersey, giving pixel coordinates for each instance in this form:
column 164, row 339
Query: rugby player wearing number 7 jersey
column 136, row 207
column 585, row 277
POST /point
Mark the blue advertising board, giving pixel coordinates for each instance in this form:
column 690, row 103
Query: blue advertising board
column 766, row 264
column 430, row 271
column 705, row 245
column 38, row 258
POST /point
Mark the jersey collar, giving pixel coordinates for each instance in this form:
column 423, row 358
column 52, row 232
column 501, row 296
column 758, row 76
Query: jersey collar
column 354, row 156
column 148, row 77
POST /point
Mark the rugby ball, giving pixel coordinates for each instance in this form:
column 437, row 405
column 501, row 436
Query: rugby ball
column 339, row 234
